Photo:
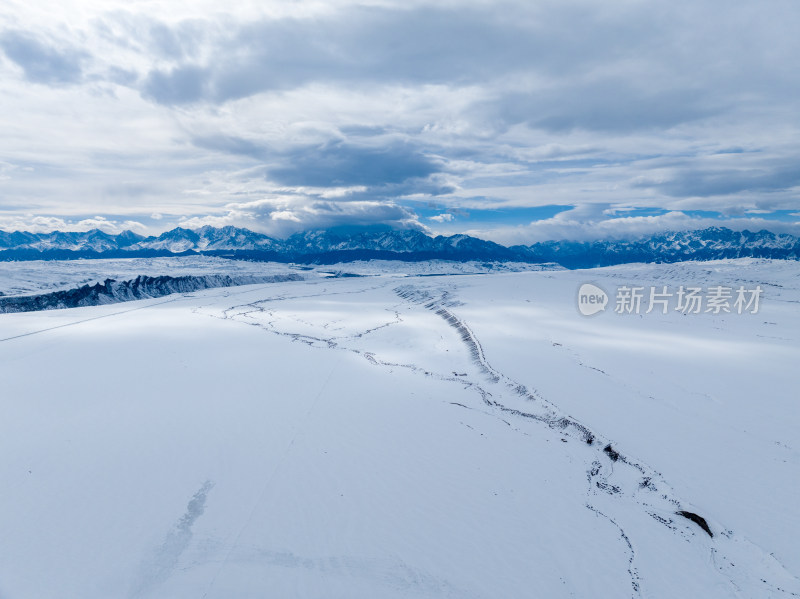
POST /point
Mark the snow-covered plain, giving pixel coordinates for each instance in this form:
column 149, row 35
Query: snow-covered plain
column 18, row 278
column 437, row 436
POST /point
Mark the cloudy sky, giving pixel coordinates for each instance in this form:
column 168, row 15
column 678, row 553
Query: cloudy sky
column 513, row 121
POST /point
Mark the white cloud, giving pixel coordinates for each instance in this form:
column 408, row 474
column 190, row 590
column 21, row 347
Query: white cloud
column 282, row 216
column 47, row 224
column 180, row 109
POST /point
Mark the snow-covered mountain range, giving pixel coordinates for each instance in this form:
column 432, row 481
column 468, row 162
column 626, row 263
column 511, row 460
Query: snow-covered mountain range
column 713, row 243
column 344, row 245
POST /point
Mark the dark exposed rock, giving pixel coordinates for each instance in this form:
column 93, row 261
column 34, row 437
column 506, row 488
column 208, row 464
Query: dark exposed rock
column 699, row 520
column 609, row 451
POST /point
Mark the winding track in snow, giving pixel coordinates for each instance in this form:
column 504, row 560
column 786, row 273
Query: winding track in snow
column 610, row 473
column 642, row 484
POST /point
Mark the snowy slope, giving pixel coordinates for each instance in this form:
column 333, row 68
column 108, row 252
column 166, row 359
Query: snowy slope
column 39, row 276
column 392, row 437
column 43, row 276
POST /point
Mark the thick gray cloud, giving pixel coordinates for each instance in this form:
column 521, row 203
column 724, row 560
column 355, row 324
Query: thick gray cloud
column 584, row 65
column 304, row 114
column 231, row 144
column 41, row 60
column 180, row 85
column 614, row 105
column 361, row 46
column 385, row 170
column 418, row 45
column 694, row 182
column 341, row 164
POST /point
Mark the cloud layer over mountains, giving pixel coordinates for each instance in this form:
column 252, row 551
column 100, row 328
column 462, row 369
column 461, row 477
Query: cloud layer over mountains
column 515, row 121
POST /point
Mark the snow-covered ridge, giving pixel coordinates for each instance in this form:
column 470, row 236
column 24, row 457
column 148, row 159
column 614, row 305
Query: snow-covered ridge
column 343, row 246
column 142, row 287
column 35, row 277
column 50, row 284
